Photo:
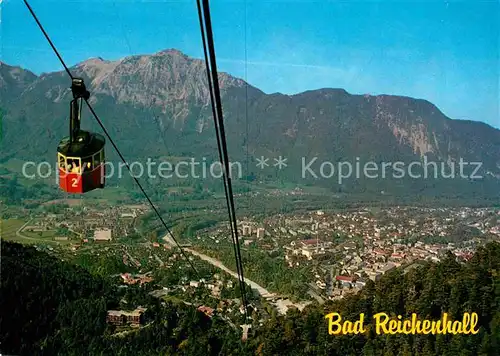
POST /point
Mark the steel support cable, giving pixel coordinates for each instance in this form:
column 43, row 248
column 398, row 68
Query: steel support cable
column 213, row 65
column 235, row 241
column 214, row 114
column 48, row 38
column 111, row 140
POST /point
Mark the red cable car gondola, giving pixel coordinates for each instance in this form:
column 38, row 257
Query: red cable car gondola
column 81, row 155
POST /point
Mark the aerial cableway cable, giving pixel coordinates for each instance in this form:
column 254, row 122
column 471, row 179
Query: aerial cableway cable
column 206, row 28
column 214, row 114
column 111, row 140
column 239, row 268
column 219, row 127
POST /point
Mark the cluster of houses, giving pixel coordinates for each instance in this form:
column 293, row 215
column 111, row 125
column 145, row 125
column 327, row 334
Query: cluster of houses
column 366, row 243
column 98, row 223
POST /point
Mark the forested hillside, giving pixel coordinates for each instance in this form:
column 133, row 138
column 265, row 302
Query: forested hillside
column 50, row 307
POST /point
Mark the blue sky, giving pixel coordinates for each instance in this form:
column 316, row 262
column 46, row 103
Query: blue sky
column 445, row 52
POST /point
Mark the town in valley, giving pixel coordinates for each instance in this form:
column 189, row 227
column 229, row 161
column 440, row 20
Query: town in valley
column 338, row 252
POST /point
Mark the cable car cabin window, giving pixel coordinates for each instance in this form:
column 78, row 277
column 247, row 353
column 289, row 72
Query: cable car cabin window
column 62, row 162
column 97, row 159
column 74, row 165
column 87, row 164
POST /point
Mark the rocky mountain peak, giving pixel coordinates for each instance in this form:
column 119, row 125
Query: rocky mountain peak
column 171, row 52
column 165, row 96
column 160, row 78
column 14, row 80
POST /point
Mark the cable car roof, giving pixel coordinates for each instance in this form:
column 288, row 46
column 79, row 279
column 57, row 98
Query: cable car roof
column 86, row 144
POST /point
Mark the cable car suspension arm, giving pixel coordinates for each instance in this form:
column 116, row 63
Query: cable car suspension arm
column 80, row 92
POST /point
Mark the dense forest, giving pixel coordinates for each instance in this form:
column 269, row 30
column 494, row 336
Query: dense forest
column 52, row 307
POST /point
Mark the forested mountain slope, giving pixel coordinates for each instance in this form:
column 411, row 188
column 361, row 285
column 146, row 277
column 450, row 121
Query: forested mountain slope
column 48, row 305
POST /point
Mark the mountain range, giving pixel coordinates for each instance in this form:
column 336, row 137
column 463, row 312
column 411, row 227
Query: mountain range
column 158, row 106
